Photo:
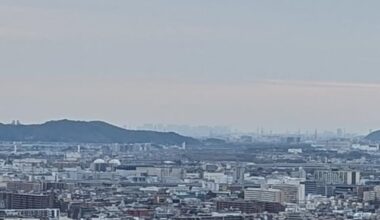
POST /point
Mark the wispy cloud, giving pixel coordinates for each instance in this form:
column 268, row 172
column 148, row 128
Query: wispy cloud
column 324, row 84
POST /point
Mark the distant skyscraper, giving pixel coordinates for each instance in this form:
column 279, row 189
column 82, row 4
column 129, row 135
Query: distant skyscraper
column 239, row 174
column 339, row 132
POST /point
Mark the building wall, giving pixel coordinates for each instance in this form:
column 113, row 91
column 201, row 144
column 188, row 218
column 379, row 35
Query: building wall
column 25, row 201
column 337, row 177
column 250, row 206
column 292, row 193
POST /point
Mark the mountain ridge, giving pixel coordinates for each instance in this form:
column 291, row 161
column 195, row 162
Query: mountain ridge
column 66, row 130
column 373, row 136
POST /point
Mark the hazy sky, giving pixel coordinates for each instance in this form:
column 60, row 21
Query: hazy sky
column 284, row 65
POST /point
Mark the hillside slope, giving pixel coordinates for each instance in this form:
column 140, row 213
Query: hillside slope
column 87, row 132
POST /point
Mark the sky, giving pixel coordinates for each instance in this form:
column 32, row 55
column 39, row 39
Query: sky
column 283, row 65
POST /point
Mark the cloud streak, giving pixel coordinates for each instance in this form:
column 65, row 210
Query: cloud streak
column 322, row 84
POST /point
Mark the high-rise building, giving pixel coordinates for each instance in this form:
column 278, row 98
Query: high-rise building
column 310, row 187
column 239, row 174
column 264, row 195
column 292, row 193
column 25, row 201
column 335, row 176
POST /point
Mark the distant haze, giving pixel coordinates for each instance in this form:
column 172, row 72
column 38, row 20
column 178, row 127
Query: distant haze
column 283, row 65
